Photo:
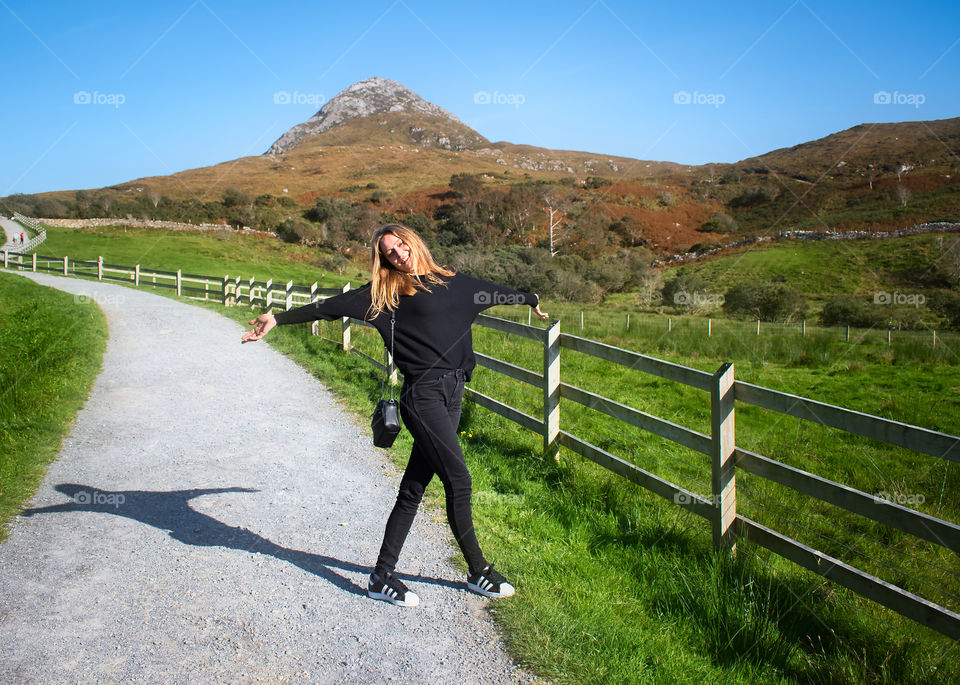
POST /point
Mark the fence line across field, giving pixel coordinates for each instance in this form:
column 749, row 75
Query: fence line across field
column 728, row 527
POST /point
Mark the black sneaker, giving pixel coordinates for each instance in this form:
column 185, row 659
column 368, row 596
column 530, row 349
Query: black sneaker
column 389, row 588
column 490, row 583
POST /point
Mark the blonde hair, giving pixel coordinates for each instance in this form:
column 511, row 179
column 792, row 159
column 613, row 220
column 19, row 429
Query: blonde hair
column 388, row 283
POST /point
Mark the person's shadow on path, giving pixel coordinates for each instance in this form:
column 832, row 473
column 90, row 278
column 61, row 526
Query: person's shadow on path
column 170, row 511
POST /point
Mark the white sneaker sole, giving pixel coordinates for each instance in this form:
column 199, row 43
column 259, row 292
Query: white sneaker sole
column 506, row 590
column 411, row 600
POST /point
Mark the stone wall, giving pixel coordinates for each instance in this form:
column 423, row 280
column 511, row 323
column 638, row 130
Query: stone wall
column 150, row 223
column 938, row 227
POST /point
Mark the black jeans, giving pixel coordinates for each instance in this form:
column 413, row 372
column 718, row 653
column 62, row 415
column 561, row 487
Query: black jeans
column 431, row 412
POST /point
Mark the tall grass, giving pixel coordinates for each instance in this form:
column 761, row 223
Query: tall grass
column 50, row 352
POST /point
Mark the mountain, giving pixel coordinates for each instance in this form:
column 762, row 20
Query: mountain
column 382, row 149
column 378, row 96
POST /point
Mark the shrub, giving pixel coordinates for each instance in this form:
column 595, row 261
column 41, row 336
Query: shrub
column 597, row 182
column 299, row 231
column 765, row 301
column 946, row 304
column 847, row 310
column 719, row 223
column 678, row 291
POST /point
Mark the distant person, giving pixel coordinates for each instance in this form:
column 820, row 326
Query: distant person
column 433, row 308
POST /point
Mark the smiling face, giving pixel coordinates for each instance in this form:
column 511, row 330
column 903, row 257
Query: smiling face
column 396, row 252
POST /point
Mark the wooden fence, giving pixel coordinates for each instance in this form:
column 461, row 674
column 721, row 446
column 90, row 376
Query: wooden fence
column 720, row 508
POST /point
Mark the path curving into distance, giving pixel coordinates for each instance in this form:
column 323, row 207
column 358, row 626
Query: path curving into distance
column 213, row 516
column 10, row 229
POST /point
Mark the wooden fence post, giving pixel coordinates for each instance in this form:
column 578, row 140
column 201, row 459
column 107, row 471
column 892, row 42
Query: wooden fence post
column 226, row 283
column 288, row 297
column 5, row 259
column 722, row 443
column 100, row 269
column 269, row 295
column 179, row 282
column 35, row 271
column 314, row 326
column 66, row 264
column 551, row 391
column 136, row 275
column 345, row 330
column 249, row 291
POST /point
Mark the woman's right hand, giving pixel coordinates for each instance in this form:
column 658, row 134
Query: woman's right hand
column 261, row 326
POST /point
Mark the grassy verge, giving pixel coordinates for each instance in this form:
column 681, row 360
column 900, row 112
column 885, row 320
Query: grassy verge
column 50, row 353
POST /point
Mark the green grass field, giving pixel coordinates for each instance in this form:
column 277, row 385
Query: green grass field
column 617, row 585
column 50, row 351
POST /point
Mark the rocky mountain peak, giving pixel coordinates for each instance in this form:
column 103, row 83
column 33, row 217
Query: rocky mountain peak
column 362, row 99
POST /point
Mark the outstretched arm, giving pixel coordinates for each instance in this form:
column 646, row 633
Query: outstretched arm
column 261, row 326
column 353, row 303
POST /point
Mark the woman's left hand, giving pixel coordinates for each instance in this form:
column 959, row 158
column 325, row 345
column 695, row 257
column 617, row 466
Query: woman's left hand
column 536, row 310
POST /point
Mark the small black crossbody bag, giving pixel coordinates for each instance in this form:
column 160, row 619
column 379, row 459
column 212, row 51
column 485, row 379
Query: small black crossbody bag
column 386, row 417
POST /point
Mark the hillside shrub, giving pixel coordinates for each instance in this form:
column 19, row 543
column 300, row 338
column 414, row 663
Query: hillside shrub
column 946, row 304
column 766, row 301
column 299, row 231
column 847, row 310
column 719, row 223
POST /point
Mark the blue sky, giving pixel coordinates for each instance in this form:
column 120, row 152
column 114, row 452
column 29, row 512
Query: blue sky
column 98, row 93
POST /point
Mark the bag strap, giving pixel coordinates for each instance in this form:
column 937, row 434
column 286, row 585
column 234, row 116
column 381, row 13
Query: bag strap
column 386, row 371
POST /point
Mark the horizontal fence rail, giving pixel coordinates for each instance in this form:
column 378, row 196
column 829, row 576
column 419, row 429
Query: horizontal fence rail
column 719, row 508
column 892, row 432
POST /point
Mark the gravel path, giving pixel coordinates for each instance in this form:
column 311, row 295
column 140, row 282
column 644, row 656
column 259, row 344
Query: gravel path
column 10, row 229
column 212, row 517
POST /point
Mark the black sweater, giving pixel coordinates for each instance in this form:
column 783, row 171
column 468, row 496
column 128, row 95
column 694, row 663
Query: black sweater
column 432, row 333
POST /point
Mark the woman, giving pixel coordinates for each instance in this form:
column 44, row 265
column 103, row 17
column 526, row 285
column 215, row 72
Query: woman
column 433, row 308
